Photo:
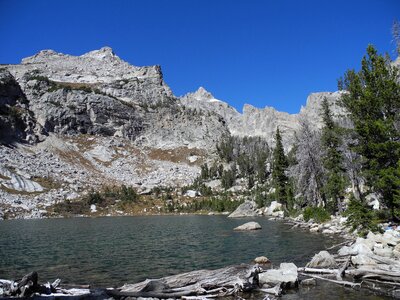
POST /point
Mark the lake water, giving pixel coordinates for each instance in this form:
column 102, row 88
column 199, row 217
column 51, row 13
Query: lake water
column 111, row 251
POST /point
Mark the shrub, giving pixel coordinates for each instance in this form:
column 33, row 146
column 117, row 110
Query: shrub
column 94, row 198
column 128, row 194
column 318, row 214
column 361, row 217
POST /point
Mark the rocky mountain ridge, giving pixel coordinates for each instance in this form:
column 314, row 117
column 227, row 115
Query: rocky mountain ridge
column 70, row 123
column 263, row 122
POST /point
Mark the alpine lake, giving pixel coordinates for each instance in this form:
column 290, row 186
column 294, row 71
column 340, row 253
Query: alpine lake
column 111, row 251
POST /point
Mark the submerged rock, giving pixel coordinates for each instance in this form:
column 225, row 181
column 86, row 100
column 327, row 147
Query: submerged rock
column 322, row 260
column 246, row 209
column 248, row 226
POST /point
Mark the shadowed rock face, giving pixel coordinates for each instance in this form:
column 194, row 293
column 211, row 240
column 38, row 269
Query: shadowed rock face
column 16, row 121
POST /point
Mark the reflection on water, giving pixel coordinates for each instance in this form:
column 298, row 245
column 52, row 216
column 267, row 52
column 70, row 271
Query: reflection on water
column 112, row 251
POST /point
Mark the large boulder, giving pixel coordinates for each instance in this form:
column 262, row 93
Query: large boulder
column 286, row 276
column 370, row 243
column 382, row 250
column 361, row 259
column 248, row 226
column 273, row 208
column 322, row 260
column 18, row 182
column 396, row 251
column 358, row 248
column 391, row 238
column 373, row 201
column 246, row 209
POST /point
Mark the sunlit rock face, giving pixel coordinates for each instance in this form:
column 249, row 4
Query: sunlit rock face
column 264, row 121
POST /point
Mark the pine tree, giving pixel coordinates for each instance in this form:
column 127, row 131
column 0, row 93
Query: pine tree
column 372, row 98
column 279, row 166
column 332, row 160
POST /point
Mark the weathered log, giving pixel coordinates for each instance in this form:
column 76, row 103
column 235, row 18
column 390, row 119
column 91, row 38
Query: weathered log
column 340, row 282
column 342, row 270
column 338, row 245
column 318, row 271
column 363, row 271
column 225, row 281
column 161, row 295
column 276, row 290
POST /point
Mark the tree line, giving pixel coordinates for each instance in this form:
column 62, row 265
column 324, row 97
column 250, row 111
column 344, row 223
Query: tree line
column 334, row 168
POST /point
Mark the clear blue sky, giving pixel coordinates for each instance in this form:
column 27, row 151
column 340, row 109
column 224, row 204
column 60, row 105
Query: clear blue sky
column 266, row 53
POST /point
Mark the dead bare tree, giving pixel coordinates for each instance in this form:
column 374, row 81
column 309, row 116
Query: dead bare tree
column 308, row 173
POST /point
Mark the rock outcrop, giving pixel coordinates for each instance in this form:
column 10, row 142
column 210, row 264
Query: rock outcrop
column 246, row 209
column 78, row 122
column 322, row 260
column 285, row 276
column 263, row 122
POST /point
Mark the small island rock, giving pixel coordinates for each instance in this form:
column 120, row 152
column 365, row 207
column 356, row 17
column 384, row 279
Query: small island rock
column 248, row 226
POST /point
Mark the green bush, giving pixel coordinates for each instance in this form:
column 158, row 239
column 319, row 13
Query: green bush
column 94, row 198
column 318, row 214
column 361, row 217
column 128, row 194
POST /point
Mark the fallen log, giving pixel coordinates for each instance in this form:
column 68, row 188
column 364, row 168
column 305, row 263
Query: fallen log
column 318, row 271
column 340, row 282
column 276, row 290
column 29, row 286
column 343, row 269
column 364, row 271
column 221, row 282
column 338, row 245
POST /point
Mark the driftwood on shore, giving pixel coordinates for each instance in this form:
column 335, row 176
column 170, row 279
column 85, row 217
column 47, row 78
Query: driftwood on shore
column 382, row 277
column 29, row 286
column 205, row 283
column 194, row 285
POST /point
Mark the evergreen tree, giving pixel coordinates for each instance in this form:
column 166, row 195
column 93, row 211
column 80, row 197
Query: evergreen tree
column 204, row 172
column 332, row 160
column 279, row 166
column 373, row 100
column 260, row 160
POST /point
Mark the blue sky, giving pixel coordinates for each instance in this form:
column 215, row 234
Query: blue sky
column 265, row 53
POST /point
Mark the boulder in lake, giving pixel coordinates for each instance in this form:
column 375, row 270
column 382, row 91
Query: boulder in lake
column 248, row 226
column 286, row 276
column 322, row 260
column 246, row 209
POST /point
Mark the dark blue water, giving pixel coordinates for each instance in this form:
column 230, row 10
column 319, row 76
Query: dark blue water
column 111, row 251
